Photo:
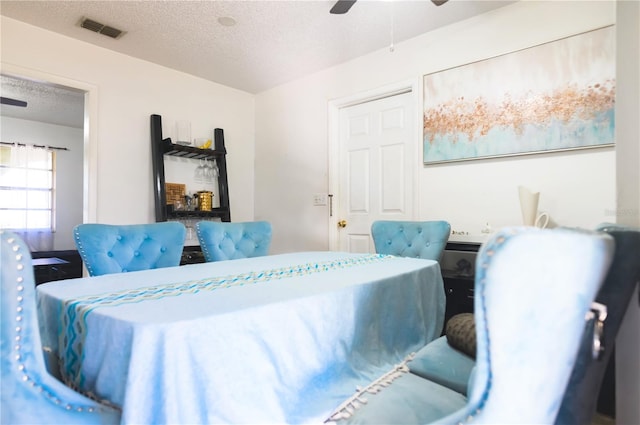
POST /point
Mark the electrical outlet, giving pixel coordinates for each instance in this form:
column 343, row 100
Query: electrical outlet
column 319, row 199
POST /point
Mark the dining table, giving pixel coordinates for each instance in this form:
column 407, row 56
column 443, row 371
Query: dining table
column 275, row 339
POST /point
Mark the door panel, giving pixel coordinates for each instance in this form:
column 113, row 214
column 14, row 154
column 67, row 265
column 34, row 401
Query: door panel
column 359, row 126
column 360, row 244
column 392, row 171
column 376, row 156
column 358, row 185
column 392, row 118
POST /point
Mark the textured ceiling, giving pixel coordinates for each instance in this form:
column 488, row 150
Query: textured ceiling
column 273, row 42
column 45, row 102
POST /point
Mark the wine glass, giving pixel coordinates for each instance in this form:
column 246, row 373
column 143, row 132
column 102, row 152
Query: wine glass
column 208, row 171
column 200, row 171
column 215, row 171
column 190, row 228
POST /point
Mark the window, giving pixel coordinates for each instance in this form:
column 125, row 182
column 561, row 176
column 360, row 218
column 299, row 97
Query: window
column 26, row 188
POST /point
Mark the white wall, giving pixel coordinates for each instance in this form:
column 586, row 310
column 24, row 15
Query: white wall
column 129, row 90
column 577, row 188
column 68, row 191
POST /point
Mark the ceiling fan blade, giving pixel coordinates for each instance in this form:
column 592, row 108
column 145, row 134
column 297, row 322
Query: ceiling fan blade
column 342, row 6
column 439, row 2
column 12, row 102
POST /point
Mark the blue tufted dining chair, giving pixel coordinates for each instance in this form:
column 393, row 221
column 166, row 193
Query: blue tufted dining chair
column 29, row 394
column 447, row 361
column 533, row 289
column 417, row 239
column 581, row 399
column 229, row 241
column 107, row 248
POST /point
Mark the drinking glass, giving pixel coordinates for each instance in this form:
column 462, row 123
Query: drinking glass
column 199, row 174
column 190, row 228
column 207, row 173
column 215, row 171
column 183, row 132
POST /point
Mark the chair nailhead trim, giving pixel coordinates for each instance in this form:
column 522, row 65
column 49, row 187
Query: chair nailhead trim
column 82, row 252
column 18, row 329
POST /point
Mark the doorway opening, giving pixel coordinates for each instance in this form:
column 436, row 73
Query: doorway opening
column 42, row 123
column 373, row 151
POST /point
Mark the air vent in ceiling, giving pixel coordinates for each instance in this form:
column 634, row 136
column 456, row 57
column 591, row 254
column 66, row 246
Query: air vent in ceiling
column 103, row 29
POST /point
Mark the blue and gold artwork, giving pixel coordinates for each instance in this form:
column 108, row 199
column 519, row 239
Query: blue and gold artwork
column 555, row 96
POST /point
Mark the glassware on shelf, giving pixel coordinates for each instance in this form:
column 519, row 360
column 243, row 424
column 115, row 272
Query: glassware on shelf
column 207, row 170
column 183, row 133
column 189, row 224
column 215, row 171
column 202, row 143
column 188, row 202
column 199, row 174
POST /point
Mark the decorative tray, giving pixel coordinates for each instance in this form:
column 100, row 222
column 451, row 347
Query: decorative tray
column 175, row 192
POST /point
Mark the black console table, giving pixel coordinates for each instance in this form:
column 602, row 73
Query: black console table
column 192, row 254
column 458, row 273
column 56, row 265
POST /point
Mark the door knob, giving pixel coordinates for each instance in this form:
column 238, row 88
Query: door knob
column 342, row 224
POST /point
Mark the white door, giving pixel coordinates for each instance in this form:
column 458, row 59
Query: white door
column 376, row 168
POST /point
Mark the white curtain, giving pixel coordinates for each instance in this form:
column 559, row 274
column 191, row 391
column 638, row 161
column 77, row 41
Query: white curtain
column 40, row 239
column 37, row 240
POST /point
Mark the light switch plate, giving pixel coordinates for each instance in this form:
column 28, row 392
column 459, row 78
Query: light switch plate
column 320, row 199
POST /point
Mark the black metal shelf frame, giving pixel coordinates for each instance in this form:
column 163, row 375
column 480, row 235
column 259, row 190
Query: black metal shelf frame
column 161, row 147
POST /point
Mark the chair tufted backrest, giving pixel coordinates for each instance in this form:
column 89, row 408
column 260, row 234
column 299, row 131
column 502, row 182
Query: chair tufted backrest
column 229, row 241
column 107, row 248
column 533, row 290
column 29, row 394
column 580, row 401
column 417, row 239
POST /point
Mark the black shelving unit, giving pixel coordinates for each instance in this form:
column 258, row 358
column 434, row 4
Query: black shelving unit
column 161, row 147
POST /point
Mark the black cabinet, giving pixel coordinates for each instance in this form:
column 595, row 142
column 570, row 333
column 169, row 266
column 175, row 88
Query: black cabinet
column 192, row 255
column 56, row 265
column 459, row 293
column 458, row 274
column 161, row 147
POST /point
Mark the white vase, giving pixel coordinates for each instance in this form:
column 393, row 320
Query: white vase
column 528, row 205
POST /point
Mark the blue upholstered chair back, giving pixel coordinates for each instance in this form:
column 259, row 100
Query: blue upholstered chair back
column 229, row 241
column 106, row 248
column 29, row 394
column 581, row 398
column 533, row 289
column 417, row 239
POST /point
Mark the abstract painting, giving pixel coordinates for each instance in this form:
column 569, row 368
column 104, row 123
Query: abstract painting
column 554, row 96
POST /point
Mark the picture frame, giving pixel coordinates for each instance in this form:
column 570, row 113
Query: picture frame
column 551, row 97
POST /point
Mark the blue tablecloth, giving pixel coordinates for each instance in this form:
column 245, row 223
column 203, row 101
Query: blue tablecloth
column 278, row 339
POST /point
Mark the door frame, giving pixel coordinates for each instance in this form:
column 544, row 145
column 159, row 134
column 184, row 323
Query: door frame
column 334, row 107
column 90, row 132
